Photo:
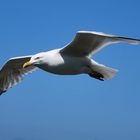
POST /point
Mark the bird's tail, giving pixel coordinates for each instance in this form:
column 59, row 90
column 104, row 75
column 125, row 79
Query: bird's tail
column 107, row 72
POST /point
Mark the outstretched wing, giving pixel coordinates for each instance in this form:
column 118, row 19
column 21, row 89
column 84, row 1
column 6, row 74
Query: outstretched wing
column 12, row 72
column 87, row 43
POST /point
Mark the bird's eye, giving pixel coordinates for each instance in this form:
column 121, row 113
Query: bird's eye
column 37, row 58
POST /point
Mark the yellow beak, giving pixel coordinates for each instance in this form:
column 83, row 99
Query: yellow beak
column 27, row 64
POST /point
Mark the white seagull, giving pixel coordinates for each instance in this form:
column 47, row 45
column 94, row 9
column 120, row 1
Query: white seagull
column 74, row 58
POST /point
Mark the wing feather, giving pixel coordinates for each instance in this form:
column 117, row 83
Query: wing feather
column 87, row 43
column 13, row 72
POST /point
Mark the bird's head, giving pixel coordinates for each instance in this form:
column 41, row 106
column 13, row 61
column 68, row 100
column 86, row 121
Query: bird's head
column 35, row 60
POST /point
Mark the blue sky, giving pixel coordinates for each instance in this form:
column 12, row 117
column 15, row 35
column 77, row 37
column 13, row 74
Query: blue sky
column 50, row 107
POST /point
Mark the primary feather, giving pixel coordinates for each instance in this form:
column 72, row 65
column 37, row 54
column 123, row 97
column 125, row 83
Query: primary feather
column 12, row 72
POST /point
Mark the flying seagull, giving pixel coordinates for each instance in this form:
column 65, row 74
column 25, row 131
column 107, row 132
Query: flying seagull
column 74, row 58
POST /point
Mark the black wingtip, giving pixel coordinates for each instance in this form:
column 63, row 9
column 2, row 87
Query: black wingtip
column 2, row 91
column 130, row 40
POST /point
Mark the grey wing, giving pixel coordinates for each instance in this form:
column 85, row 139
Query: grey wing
column 87, row 43
column 12, row 72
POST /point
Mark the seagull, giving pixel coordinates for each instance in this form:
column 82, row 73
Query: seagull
column 74, row 58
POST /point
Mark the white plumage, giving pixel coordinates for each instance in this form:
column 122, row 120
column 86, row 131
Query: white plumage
column 74, row 58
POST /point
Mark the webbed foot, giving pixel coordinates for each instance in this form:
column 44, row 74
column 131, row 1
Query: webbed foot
column 96, row 75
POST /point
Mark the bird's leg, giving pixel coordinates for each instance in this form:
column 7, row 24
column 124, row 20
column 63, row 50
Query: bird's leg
column 96, row 75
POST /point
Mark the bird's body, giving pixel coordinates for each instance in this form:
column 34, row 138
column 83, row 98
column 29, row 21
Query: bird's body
column 74, row 58
column 58, row 63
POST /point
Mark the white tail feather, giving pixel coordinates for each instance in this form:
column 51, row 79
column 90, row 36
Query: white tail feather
column 107, row 72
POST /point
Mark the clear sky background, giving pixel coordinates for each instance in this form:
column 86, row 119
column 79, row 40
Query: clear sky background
column 50, row 107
